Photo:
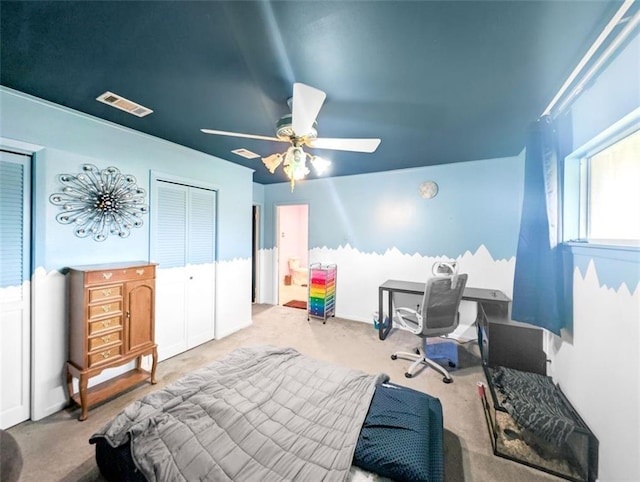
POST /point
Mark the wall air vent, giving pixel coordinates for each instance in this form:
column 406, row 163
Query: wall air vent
column 121, row 103
column 246, row 153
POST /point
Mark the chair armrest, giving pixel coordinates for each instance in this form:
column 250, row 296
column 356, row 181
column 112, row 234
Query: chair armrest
column 402, row 311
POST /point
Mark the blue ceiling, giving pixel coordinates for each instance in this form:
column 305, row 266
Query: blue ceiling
column 437, row 81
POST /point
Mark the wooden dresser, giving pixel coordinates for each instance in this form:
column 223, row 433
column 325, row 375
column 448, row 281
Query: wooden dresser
column 111, row 323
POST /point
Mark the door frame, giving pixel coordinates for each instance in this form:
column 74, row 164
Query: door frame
column 29, row 150
column 256, row 211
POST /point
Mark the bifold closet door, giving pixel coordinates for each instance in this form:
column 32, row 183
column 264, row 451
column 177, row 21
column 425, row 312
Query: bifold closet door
column 15, row 288
column 183, row 243
column 200, row 266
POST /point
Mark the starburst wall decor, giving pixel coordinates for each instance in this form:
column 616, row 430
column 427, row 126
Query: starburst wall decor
column 100, row 202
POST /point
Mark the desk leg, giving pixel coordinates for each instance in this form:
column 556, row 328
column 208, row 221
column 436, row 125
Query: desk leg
column 381, row 333
column 390, row 324
column 382, row 330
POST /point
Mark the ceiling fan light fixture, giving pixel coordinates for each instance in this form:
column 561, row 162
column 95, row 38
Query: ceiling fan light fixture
column 295, row 164
column 294, row 156
column 300, row 128
column 272, row 162
column 320, row 165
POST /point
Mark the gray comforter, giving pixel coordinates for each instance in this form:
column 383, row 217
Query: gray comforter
column 259, row 414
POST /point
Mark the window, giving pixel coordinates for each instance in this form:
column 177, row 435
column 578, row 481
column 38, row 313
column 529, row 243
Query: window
column 601, row 193
column 611, row 193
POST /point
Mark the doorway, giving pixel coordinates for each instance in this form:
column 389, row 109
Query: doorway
column 292, row 228
column 255, row 252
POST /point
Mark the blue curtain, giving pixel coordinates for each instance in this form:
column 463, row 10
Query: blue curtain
column 538, row 288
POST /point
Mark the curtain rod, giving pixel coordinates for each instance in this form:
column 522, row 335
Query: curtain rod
column 615, row 20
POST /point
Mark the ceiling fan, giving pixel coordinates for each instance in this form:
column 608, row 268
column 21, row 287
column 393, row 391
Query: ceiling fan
column 300, row 129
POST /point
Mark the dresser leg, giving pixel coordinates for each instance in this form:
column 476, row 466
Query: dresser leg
column 83, row 396
column 69, row 385
column 154, row 364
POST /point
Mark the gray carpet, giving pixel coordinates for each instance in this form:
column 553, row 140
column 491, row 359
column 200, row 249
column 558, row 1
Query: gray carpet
column 57, row 449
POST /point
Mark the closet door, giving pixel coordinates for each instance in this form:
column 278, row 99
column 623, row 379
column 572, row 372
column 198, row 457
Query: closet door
column 15, row 289
column 169, row 250
column 200, row 266
column 183, row 243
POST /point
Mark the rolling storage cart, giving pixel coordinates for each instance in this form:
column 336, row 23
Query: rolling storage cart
column 322, row 291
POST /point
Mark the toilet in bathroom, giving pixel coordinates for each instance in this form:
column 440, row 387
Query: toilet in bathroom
column 299, row 274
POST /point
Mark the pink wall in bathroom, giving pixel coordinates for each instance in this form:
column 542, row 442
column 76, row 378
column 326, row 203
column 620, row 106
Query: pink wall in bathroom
column 293, row 234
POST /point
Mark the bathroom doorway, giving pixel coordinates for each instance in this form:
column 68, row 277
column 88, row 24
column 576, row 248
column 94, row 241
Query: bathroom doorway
column 292, row 222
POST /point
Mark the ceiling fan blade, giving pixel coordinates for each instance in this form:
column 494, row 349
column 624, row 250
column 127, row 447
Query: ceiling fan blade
column 355, row 145
column 238, row 134
column 306, row 104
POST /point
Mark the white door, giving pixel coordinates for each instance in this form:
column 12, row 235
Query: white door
column 15, row 289
column 183, row 243
column 200, row 266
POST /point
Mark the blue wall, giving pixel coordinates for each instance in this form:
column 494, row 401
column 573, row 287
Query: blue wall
column 614, row 94
column 478, row 203
column 69, row 139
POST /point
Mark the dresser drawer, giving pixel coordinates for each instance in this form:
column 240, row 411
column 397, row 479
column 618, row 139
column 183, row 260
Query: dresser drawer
column 105, row 293
column 105, row 355
column 125, row 274
column 104, row 309
column 105, row 339
column 105, row 324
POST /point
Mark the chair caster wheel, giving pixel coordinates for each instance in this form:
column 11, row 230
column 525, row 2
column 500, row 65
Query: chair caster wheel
column 447, row 380
column 408, row 375
column 394, row 357
column 452, row 365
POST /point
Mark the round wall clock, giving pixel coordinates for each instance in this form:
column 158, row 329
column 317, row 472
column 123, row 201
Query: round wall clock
column 428, row 189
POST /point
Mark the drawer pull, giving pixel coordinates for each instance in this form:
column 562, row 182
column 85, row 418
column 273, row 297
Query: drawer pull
column 140, row 271
column 106, row 323
column 107, row 275
column 106, row 338
column 106, row 292
column 106, row 308
column 106, row 354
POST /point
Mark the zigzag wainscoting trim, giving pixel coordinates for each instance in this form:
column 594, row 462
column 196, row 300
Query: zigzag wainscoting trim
column 360, row 274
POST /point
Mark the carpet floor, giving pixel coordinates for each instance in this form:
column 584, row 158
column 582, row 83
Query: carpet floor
column 57, row 449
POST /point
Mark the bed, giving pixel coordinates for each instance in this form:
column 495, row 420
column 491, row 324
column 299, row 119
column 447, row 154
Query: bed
column 266, row 413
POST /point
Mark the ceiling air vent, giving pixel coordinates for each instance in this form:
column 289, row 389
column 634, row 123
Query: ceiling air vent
column 126, row 105
column 246, row 153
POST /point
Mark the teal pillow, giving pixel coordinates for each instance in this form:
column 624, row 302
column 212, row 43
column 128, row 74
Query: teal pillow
column 401, row 437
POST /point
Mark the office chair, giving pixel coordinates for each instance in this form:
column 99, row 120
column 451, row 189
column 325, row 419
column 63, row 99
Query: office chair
column 438, row 315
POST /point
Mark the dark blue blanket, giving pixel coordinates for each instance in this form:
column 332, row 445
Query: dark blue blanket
column 402, row 436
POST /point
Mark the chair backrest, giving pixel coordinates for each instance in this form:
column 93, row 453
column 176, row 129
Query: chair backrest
column 440, row 304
